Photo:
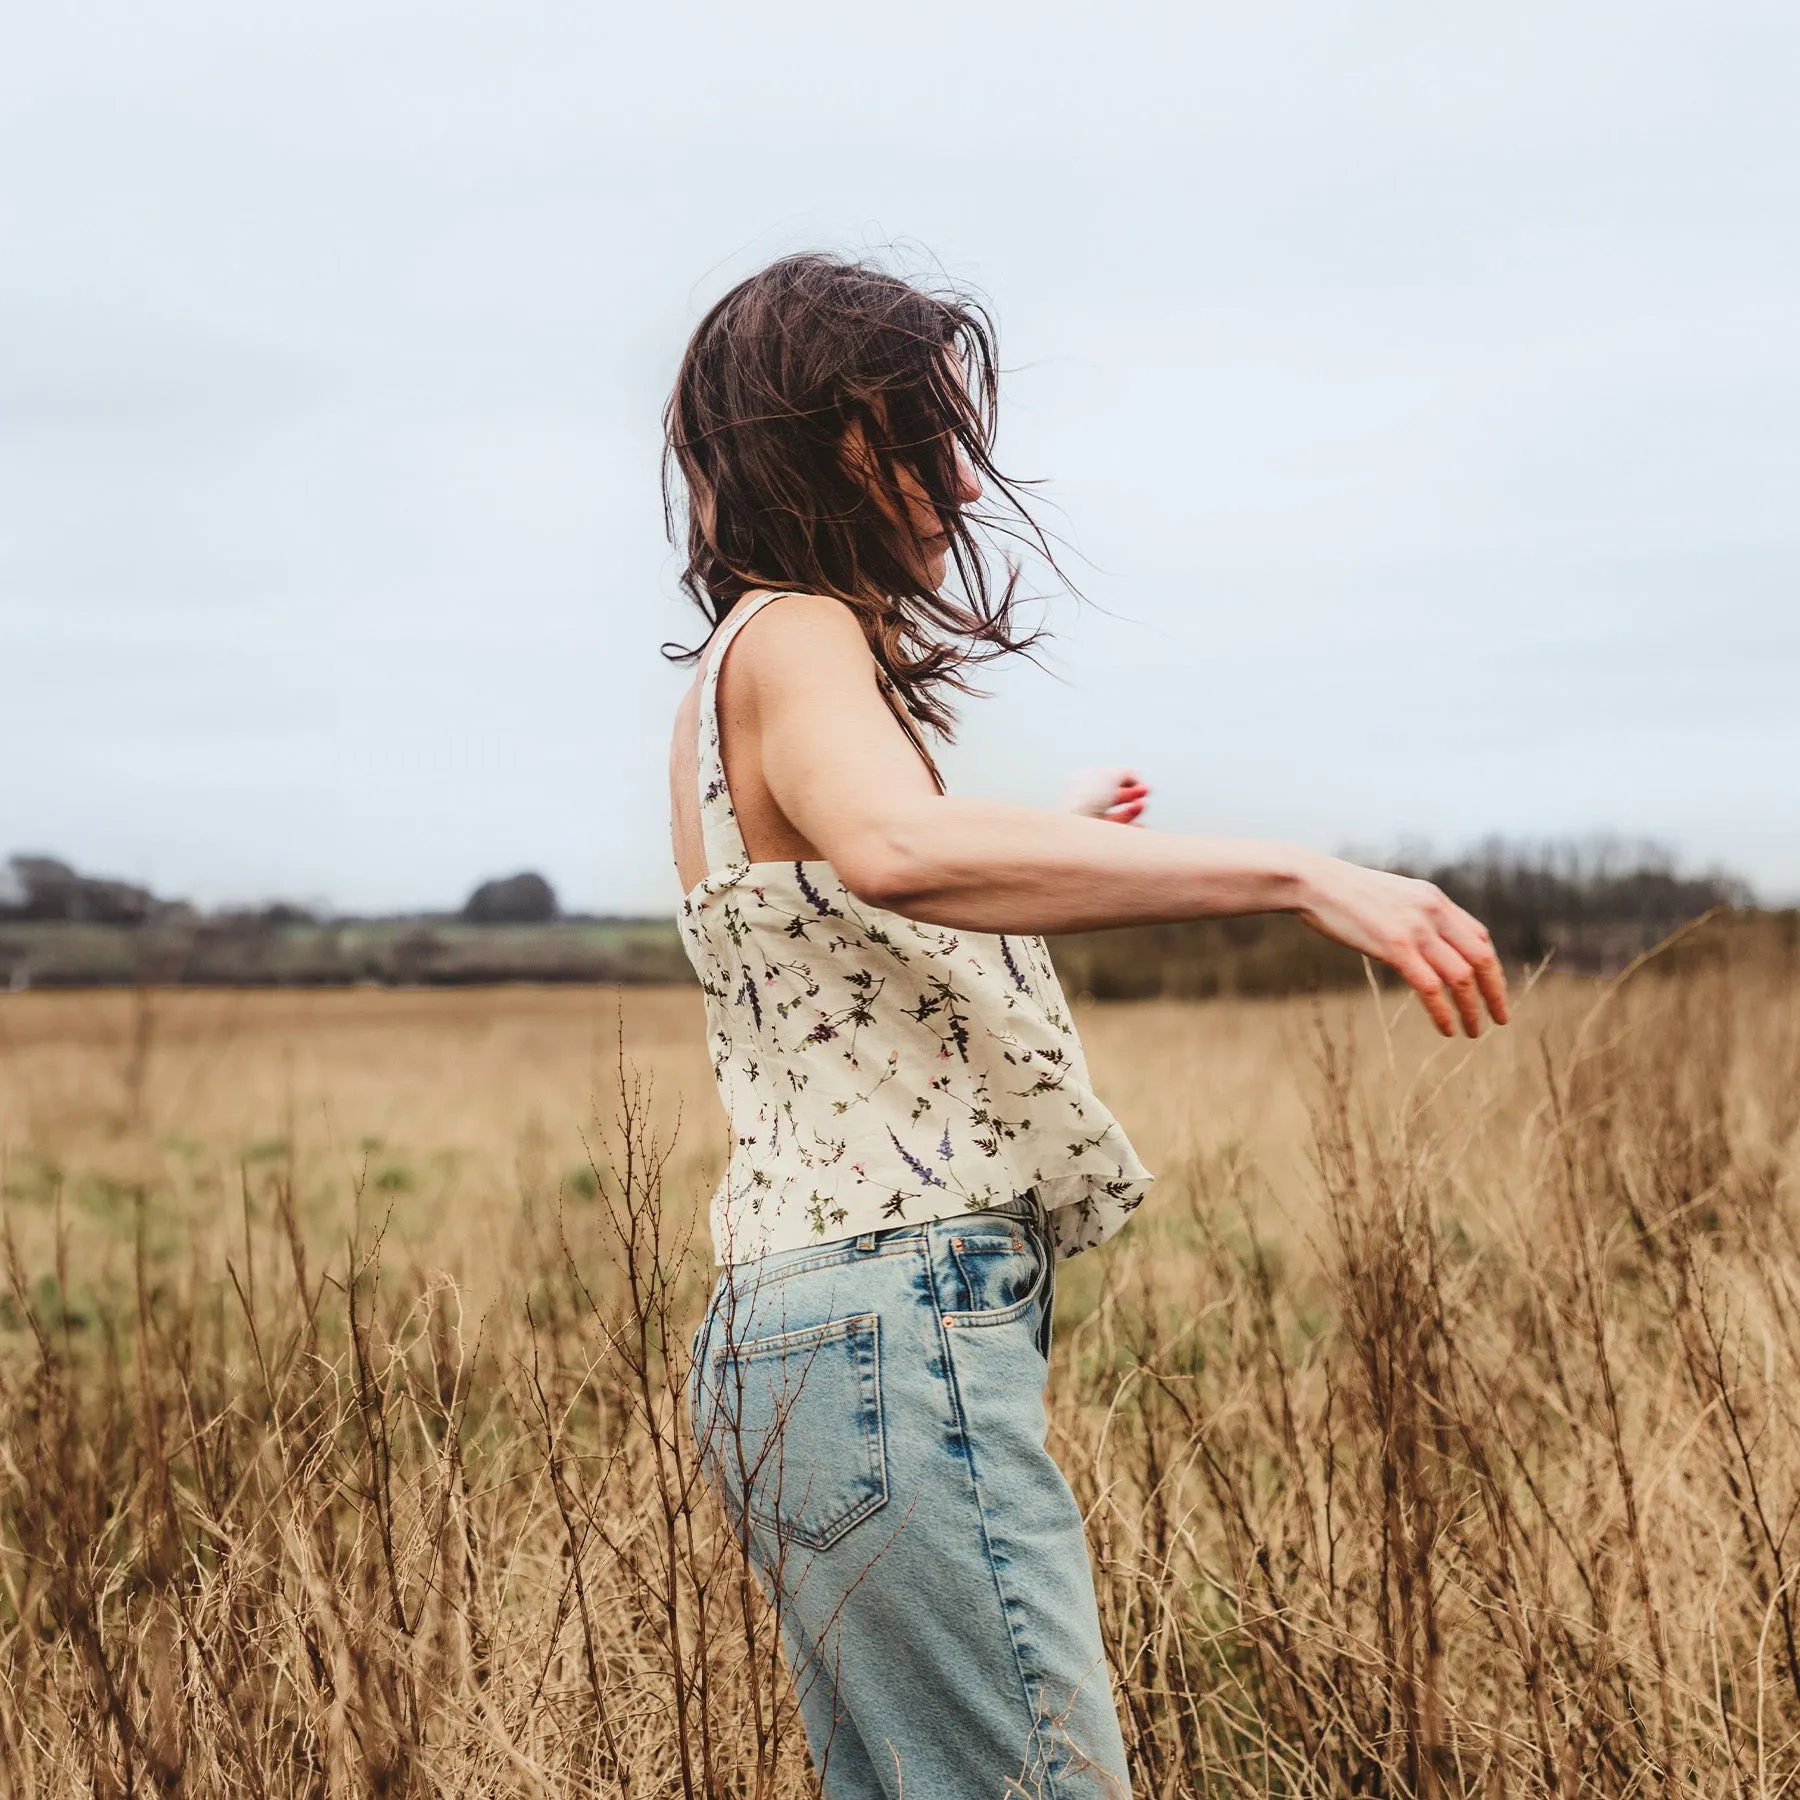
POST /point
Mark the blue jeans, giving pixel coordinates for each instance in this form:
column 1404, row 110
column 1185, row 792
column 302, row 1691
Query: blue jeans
column 872, row 1414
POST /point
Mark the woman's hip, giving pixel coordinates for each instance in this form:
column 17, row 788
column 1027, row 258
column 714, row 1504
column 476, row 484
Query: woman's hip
column 818, row 1372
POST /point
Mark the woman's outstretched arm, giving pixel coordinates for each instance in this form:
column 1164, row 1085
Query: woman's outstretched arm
column 838, row 765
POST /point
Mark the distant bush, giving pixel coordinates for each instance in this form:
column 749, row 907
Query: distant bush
column 525, row 899
column 40, row 888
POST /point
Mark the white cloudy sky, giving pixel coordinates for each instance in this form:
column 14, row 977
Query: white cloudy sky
column 1419, row 388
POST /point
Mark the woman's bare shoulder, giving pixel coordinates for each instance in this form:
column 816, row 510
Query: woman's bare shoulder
column 800, row 637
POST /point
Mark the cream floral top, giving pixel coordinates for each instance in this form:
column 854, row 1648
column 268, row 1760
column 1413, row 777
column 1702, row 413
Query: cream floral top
column 877, row 1071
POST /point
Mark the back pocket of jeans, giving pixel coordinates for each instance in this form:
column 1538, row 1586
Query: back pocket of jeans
column 794, row 1431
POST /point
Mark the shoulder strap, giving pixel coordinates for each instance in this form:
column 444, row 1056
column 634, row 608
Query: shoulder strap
column 905, row 719
column 719, row 833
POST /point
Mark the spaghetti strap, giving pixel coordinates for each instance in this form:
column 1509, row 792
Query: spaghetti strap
column 720, row 836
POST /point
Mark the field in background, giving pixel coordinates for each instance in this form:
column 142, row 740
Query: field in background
column 1438, row 1420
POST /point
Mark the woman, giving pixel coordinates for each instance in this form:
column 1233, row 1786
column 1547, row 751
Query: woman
column 914, row 1141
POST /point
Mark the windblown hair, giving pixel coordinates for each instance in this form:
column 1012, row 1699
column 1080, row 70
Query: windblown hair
column 771, row 385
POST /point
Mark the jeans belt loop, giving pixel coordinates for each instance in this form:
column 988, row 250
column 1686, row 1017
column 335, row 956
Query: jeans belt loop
column 866, row 1240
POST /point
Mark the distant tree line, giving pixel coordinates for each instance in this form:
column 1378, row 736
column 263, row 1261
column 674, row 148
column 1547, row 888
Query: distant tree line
column 59, row 928
column 1585, row 904
column 1589, row 908
column 46, row 890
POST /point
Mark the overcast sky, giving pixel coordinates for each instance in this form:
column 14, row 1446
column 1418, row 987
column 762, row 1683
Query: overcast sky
column 1418, row 388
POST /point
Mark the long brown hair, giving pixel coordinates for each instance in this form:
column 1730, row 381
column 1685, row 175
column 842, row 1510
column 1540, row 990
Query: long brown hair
column 780, row 372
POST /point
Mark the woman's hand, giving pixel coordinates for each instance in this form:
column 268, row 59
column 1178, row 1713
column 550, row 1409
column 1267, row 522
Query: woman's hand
column 1115, row 794
column 1440, row 951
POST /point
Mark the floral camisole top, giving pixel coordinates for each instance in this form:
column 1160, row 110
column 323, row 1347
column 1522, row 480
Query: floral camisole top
column 877, row 1071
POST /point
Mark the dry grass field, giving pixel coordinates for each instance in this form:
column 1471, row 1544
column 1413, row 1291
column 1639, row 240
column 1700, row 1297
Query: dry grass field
column 1438, row 1419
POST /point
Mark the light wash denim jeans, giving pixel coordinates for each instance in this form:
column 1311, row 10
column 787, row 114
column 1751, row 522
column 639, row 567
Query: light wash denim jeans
column 872, row 1413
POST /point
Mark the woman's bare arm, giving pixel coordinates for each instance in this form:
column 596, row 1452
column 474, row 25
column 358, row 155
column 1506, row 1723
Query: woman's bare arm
column 841, row 769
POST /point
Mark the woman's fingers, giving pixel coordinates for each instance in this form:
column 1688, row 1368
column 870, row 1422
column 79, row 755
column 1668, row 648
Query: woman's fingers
column 1453, row 969
column 1470, row 937
column 1106, row 793
column 1425, row 981
column 1129, row 799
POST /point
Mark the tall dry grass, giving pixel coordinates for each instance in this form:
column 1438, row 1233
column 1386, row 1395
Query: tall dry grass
column 1436, row 1422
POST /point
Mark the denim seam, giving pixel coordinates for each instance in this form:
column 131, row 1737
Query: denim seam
column 1049, row 1791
